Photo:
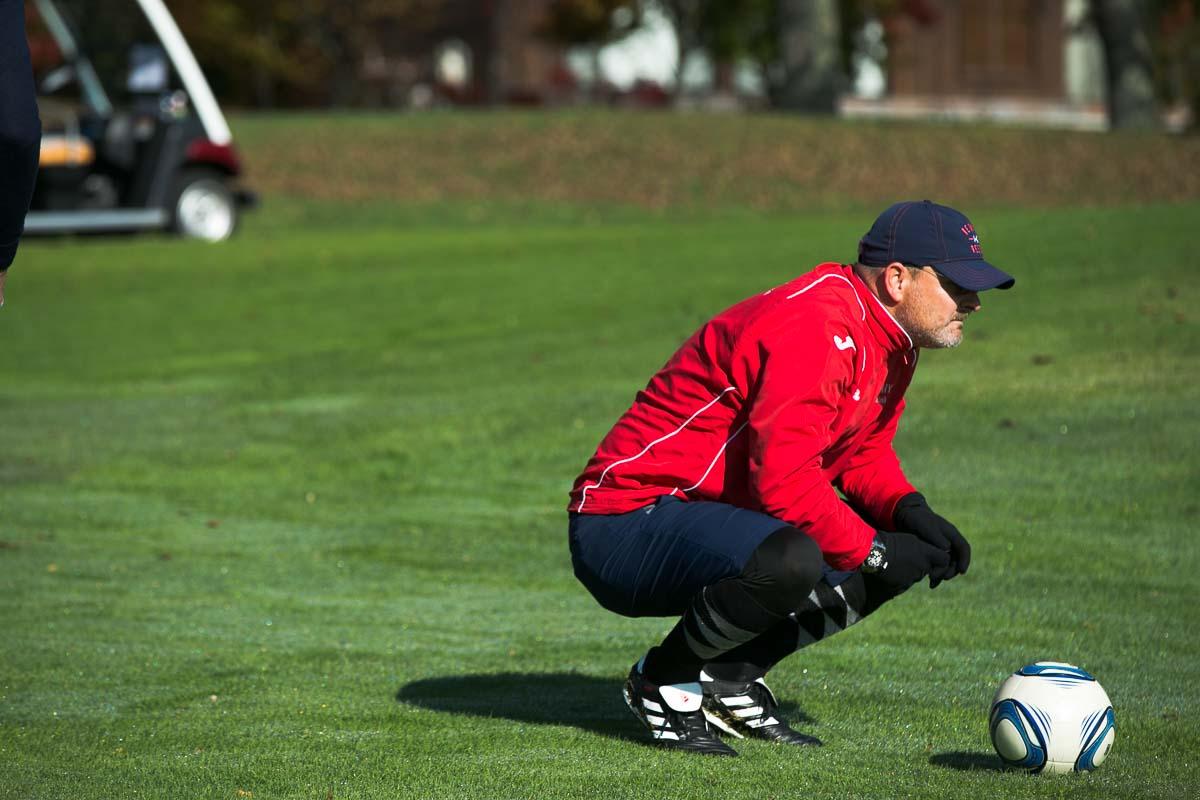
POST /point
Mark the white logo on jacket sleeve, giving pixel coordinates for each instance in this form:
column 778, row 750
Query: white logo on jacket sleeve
column 843, row 344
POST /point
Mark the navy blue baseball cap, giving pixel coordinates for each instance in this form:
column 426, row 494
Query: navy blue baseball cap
column 920, row 234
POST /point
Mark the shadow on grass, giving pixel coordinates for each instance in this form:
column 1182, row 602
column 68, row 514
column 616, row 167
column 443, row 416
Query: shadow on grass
column 546, row 698
column 968, row 762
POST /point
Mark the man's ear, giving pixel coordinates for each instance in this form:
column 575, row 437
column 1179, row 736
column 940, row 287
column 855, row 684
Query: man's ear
column 895, row 279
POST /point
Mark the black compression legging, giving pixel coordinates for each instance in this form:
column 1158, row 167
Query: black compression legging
column 740, row 627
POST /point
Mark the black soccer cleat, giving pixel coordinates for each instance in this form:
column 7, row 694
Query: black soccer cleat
column 748, row 711
column 673, row 715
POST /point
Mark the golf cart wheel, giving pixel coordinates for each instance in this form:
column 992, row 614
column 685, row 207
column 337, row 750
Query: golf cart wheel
column 204, row 207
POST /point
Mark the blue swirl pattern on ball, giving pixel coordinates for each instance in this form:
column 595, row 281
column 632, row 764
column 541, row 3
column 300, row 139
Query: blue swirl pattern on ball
column 1055, row 672
column 1022, row 720
column 1101, row 723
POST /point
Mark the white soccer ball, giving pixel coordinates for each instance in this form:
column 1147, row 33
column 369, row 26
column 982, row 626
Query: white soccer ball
column 1052, row 717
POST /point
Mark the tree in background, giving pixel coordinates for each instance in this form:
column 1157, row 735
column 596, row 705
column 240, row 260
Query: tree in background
column 1128, row 63
column 270, row 53
column 295, row 52
column 684, row 16
column 734, row 30
column 591, row 24
column 250, row 50
column 1176, row 46
column 802, row 49
column 726, row 31
column 810, row 56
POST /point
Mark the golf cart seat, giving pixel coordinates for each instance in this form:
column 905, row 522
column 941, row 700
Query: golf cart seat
column 63, row 144
column 66, row 150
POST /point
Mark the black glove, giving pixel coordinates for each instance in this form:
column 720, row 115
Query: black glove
column 906, row 559
column 913, row 515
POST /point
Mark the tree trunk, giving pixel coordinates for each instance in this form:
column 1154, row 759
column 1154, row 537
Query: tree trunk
column 596, row 90
column 809, row 48
column 684, row 47
column 1128, row 64
column 493, row 57
column 684, row 17
column 263, row 80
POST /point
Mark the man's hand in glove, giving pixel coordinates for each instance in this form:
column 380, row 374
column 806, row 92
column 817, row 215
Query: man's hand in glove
column 902, row 559
column 913, row 515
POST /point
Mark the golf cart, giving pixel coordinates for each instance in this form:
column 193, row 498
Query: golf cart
column 162, row 159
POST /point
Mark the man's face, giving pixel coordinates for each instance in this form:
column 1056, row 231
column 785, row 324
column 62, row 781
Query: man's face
column 933, row 309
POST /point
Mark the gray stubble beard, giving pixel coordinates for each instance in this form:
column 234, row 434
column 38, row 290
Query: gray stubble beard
column 937, row 340
column 941, row 340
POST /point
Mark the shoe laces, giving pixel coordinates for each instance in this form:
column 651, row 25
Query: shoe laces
column 691, row 723
column 764, row 700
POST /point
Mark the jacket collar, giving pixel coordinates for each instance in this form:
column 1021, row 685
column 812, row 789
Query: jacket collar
column 883, row 325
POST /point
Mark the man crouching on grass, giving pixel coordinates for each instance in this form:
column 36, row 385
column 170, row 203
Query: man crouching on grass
column 715, row 496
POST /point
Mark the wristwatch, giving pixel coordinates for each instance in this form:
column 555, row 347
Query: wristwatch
column 876, row 559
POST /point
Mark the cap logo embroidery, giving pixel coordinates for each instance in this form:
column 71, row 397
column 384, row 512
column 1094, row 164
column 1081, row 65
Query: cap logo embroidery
column 972, row 237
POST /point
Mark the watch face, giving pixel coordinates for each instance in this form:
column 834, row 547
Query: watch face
column 875, row 558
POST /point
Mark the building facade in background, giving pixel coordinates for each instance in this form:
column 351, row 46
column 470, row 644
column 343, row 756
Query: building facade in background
column 1037, row 61
column 1015, row 60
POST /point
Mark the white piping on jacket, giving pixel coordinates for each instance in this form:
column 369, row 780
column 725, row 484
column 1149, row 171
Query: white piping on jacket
column 646, row 449
column 712, row 463
column 840, row 278
column 863, row 367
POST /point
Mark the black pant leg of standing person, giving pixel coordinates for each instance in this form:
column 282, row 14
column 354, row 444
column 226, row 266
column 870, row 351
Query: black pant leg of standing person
column 20, row 131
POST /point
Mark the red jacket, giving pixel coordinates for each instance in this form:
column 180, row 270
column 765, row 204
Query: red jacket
column 770, row 406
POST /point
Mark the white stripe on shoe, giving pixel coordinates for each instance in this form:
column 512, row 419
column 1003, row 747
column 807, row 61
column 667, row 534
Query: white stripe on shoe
column 742, row 713
column 758, row 723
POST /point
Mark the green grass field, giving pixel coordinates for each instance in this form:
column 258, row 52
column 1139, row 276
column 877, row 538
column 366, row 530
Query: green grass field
column 285, row 517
